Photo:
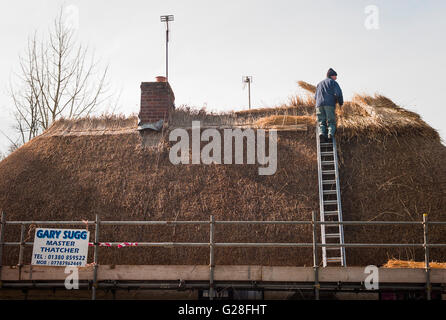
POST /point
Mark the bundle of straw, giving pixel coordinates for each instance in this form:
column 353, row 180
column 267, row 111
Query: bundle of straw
column 395, row 263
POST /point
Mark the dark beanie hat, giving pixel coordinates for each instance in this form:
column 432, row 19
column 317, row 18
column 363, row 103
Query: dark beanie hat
column 331, row 72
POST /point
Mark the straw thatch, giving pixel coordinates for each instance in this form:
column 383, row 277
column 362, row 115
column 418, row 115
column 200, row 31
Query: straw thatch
column 284, row 120
column 391, row 166
column 104, row 125
column 309, row 87
column 395, row 263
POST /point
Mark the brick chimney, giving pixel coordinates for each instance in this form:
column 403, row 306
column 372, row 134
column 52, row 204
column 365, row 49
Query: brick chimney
column 157, row 101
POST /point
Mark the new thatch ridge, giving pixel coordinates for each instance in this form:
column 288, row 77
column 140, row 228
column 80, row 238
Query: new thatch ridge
column 391, row 168
column 371, row 116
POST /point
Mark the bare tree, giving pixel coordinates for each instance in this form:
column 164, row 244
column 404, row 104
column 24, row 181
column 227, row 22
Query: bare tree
column 57, row 78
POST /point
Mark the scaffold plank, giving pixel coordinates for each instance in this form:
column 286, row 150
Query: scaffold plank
column 222, row 273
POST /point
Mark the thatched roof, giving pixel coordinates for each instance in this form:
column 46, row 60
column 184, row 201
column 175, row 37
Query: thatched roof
column 392, row 167
column 365, row 115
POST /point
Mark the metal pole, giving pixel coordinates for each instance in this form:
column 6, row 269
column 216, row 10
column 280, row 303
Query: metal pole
column 167, row 51
column 339, row 205
column 206, row 222
column 249, row 92
column 426, row 257
column 315, row 260
column 95, row 261
column 22, row 247
column 211, row 258
column 2, row 240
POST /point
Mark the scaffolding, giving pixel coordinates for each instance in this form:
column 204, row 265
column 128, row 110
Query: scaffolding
column 316, row 285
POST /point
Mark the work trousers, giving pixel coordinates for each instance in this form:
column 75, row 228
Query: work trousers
column 326, row 118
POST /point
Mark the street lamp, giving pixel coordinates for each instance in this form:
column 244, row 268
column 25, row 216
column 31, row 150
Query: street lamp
column 166, row 19
column 248, row 80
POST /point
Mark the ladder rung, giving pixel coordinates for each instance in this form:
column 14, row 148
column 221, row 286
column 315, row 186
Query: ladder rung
column 331, row 213
column 327, row 162
column 332, row 225
column 334, row 259
column 332, row 248
column 328, row 171
column 328, row 181
column 330, row 202
column 329, row 191
column 332, row 235
column 327, row 153
column 326, row 144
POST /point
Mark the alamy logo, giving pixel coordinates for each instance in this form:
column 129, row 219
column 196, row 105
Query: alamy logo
column 71, row 17
column 372, row 280
column 72, row 279
column 211, row 152
column 372, row 20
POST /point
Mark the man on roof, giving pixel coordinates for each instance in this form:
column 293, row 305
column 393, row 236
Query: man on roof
column 328, row 92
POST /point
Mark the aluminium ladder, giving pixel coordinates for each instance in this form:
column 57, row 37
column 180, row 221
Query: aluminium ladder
column 330, row 202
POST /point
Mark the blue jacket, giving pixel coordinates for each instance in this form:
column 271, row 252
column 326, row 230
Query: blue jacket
column 328, row 92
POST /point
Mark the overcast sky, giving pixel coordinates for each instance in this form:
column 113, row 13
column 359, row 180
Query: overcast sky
column 214, row 43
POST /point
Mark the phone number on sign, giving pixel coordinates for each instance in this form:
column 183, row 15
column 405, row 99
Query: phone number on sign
column 65, row 263
column 67, row 257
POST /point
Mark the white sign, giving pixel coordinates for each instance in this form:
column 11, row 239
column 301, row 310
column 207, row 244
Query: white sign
column 60, row 247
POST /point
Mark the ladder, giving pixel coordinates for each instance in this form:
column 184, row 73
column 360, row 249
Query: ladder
column 330, row 202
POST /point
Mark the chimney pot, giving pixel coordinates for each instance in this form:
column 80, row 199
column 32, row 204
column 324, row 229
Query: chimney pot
column 161, row 79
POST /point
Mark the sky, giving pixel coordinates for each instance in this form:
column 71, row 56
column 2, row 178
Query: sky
column 214, row 43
